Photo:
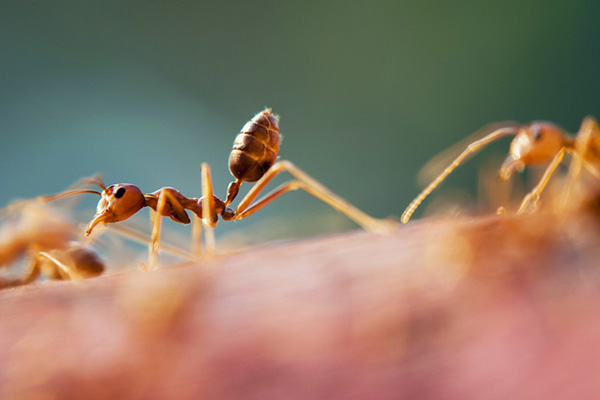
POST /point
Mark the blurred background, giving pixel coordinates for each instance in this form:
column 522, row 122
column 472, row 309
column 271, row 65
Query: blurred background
column 367, row 92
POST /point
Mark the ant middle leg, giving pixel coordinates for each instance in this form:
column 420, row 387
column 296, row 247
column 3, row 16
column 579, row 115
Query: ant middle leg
column 173, row 204
column 209, row 213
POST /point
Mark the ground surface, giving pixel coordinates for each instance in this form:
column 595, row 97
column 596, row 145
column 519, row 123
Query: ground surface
column 489, row 308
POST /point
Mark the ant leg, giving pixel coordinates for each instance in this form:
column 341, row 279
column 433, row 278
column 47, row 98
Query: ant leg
column 64, row 270
column 535, row 193
column 232, row 191
column 209, row 215
column 588, row 135
column 472, row 148
column 177, row 213
column 284, row 188
column 156, row 217
column 142, row 238
column 31, row 274
column 311, row 186
column 196, row 247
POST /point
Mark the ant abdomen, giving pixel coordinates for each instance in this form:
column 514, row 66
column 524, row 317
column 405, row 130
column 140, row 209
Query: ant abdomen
column 254, row 150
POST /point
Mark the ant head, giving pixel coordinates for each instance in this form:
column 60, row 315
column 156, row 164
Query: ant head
column 537, row 142
column 118, row 203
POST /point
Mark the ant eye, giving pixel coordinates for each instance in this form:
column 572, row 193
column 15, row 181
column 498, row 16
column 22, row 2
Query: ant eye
column 120, row 192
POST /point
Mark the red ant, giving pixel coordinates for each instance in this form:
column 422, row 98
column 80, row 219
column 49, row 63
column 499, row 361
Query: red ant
column 534, row 143
column 253, row 159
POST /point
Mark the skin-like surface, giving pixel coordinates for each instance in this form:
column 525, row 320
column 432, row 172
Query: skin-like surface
column 494, row 307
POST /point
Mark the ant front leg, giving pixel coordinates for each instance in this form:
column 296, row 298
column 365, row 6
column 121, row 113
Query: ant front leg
column 308, row 184
column 472, row 148
column 535, row 193
column 209, row 215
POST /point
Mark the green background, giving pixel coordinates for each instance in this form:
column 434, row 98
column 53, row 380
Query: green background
column 367, row 91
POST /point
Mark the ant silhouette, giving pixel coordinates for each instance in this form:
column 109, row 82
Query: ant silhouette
column 252, row 159
column 535, row 143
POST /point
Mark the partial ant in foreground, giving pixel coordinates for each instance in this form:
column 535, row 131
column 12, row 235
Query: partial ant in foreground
column 48, row 242
column 252, row 159
column 534, row 143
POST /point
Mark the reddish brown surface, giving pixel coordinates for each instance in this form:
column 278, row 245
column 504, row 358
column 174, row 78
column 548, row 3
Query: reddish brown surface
column 494, row 308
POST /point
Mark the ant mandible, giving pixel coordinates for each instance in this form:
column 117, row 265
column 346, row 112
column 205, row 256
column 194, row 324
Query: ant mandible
column 252, row 159
column 535, row 143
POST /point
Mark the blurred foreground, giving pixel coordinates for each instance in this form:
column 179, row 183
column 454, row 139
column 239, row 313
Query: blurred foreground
column 487, row 308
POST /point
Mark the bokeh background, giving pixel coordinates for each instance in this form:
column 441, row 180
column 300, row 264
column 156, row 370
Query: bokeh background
column 144, row 91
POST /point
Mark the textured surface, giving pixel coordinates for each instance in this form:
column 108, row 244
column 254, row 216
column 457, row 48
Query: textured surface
column 491, row 308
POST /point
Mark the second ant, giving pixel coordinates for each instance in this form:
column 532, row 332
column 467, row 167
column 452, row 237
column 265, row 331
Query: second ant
column 535, row 143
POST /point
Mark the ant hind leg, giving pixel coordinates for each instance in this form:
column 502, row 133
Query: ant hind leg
column 310, row 185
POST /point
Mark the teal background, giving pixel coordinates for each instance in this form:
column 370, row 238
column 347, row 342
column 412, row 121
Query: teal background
column 144, row 91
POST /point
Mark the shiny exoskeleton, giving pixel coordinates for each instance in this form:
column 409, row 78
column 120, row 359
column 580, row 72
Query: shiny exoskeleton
column 123, row 200
column 255, row 150
column 253, row 159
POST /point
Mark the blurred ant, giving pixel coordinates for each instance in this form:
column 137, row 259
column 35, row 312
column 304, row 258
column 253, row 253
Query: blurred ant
column 42, row 234
column 534, row 143
column 253, row 159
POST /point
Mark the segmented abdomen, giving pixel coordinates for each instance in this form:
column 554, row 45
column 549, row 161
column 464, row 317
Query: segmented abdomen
column 255, row 148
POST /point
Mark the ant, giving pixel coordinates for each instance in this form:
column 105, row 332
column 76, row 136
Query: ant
column 252, row 159
column 535, row 143
column 42, row 233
